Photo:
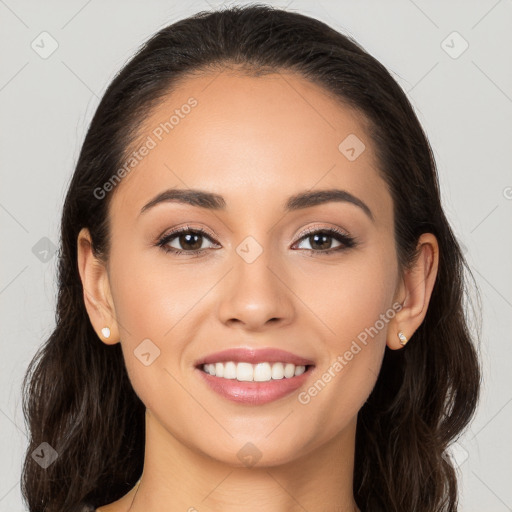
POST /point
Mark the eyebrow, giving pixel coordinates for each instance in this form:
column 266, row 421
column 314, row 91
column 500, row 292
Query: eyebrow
column 212, row 201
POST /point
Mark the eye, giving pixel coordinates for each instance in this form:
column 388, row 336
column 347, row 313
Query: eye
column 319, row 240
column 188, row 241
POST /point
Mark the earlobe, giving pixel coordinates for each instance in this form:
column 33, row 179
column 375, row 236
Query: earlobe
column 96, row 288
column 416, row 289
column 403, row 339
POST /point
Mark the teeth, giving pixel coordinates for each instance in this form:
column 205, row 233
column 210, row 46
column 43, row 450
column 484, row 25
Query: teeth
column 219, row 369
column 260, row 372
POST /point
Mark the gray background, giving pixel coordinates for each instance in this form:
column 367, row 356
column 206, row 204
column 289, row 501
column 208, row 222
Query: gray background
column 464, row 101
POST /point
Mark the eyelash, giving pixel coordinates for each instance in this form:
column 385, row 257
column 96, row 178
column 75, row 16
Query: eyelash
column 338, row 235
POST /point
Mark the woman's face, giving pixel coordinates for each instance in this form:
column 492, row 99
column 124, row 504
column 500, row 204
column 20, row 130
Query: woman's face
column 259, row 280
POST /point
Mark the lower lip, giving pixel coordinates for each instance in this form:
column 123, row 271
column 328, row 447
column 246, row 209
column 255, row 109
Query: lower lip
column 255, row 393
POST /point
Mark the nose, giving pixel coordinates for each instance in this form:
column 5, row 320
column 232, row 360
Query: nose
column 256, row 295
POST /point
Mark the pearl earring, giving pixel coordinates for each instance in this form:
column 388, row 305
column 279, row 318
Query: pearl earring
column 403, row 339
column 106, row 332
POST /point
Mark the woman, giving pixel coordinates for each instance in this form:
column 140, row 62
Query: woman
column 260, row 297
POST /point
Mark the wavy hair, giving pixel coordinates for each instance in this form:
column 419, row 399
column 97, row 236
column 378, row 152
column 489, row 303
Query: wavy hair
column 76, row 393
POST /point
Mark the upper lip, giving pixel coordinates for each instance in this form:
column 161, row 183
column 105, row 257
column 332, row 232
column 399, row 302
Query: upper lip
column 251, row 355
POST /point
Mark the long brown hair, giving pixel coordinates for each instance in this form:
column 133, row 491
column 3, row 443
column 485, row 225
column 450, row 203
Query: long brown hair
column 77, row 396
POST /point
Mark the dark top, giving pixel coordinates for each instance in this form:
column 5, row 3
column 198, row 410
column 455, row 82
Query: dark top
column 86, row 507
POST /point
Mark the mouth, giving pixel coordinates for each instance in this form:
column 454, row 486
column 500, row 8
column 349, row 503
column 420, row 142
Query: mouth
column 254, row 376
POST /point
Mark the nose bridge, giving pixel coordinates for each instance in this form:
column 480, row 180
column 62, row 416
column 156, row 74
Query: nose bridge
column 254, row 294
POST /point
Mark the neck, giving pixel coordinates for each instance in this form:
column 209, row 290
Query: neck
column 177, row 478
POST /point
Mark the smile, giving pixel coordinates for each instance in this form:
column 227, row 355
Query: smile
column 260, row 372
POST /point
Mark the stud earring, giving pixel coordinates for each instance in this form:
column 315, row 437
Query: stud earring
column 402, row 338
column 106, row 332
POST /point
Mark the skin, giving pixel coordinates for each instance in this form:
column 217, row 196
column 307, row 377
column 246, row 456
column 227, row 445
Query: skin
column 256, row 141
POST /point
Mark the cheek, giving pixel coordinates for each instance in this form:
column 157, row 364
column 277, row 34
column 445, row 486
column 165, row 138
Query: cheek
column 158, row 305
column 150, row 294
column 349, row 297
column 353, row 304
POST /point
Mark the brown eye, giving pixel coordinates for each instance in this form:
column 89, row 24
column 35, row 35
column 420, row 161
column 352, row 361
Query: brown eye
column 190, row 241
column 321, row 241
column 185, row 240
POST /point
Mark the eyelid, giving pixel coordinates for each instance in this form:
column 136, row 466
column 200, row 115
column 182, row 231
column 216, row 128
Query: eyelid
column 315, row 228
column 187, row 227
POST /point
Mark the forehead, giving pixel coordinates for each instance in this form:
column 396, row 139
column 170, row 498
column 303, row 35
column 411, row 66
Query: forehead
column 251, row 139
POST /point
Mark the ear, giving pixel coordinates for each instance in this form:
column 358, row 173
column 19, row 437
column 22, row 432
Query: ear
column 96, row 286
column 414, row 291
